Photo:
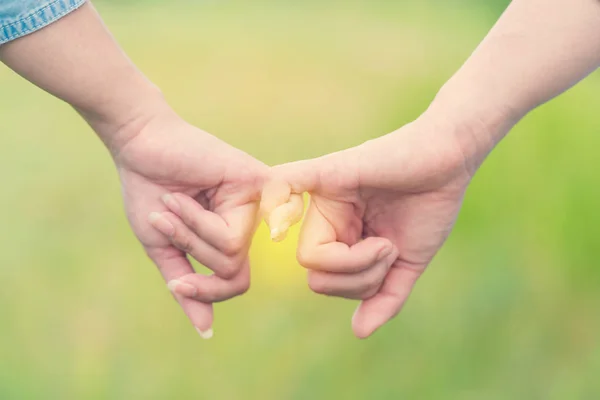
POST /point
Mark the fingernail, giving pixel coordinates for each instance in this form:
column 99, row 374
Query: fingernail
column 207, row 334
column 275, row 233
column 161, row 223
column 278, row 233
column 184, row 289
column 171, row 203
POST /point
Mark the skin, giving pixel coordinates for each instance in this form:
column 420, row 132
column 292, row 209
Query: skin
column 187, row 192
column 379, row 212
column 163, row 162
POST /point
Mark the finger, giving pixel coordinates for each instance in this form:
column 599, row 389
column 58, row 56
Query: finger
column 360, row 286
column 297, row 177
column 280, row 208
column 275, row 193
column 387, row 303
column 181, row 237
column 301, row 176
column 241, row 222
column 208, row 226
column 284, row 216
column 212, row 289
column 281, row 202
column 319, row 250
column 173, row 264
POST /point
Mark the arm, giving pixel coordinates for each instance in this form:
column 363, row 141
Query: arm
column 380, row 211
column 536, row 50
column 172, row 173
column 77, row 60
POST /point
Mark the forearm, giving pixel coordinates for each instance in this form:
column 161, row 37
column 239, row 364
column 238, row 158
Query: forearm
column 537, row 50
column 77, row 60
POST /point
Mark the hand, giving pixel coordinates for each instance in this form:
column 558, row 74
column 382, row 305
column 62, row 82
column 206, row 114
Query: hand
column 186, row 191
column 217, row 187
column 378, row 214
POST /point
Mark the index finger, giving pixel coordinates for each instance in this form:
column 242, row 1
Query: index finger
column 318, row 248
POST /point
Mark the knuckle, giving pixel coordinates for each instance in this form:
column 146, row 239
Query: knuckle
column 183, row 242
column 303, row 257
column 233, row 245
column 193, row 223
column 317, row 284
column 229, row 268
column 243, row 286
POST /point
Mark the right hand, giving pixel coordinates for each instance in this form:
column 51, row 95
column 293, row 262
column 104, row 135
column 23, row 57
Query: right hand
column 378, row 214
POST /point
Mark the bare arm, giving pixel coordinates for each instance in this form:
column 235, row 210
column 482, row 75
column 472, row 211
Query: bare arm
column 77, row 60
column 165, row 164
column 536, row 50
column 380, row 211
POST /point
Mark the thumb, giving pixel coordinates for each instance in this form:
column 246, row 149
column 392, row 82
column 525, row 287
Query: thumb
column 387, row 303
column 281, row 201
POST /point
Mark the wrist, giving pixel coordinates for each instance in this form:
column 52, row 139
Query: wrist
column 476, row 123
column 118, row 120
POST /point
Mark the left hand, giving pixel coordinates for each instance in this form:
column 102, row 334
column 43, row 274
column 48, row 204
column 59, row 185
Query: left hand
column 187, row 192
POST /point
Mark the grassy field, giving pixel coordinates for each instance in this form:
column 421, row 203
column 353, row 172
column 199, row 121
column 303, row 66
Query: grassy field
column 509, row 309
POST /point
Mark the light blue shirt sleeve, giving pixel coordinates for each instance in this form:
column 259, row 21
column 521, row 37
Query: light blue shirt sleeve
column 21, row 17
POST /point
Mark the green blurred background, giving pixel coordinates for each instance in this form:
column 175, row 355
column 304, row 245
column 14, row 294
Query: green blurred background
column 509, row 309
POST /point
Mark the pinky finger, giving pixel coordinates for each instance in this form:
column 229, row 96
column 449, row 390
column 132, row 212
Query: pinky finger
column 284, row 216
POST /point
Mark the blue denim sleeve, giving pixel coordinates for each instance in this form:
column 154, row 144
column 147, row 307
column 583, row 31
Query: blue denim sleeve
column 21, row 17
